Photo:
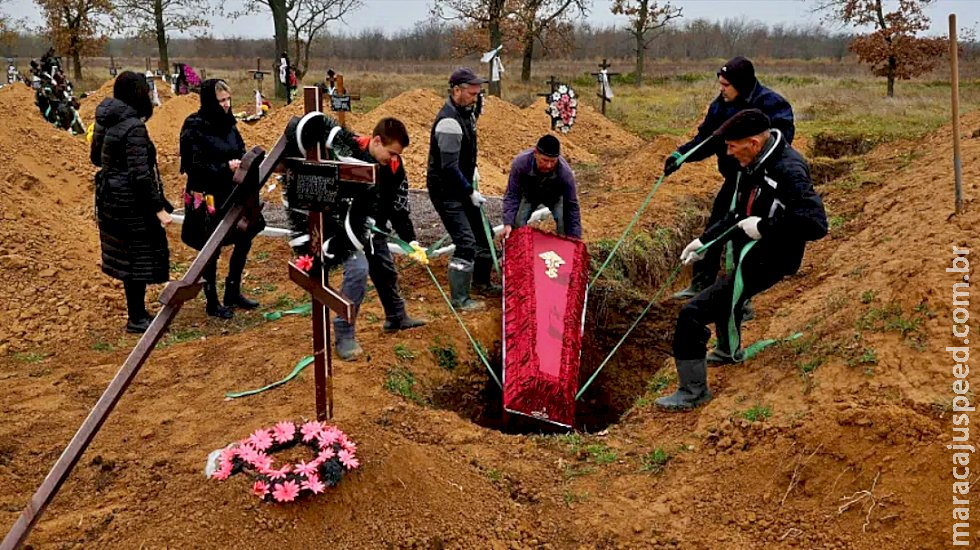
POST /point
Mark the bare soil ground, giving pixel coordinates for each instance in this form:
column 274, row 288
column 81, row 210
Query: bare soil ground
column 861, row 400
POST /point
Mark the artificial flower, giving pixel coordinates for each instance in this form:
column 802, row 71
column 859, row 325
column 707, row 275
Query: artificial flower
column 314, row 485
column 261, row 439
column 284, row 432
column 223, row 472
column 310, row 430
column 348, row 460
column 286, row 492
column 306, row 468
column 280, row 473
column 326, row 454
column 304, row 263
column 347, row 444
column 329, row 436
column 260, row 488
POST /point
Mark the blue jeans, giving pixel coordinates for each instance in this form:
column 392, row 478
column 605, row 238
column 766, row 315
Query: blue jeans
column 380, row 266
column 525, row 210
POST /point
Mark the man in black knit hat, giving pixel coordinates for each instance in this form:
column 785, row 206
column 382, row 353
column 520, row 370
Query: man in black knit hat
column 540, row 175
column 739, row 90
column 774, row 212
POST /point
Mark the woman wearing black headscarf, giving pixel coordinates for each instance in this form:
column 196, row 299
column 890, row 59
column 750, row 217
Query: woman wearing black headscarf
column 130, row 207
column 210, row 152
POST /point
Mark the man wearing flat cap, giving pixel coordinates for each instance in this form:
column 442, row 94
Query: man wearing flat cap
column 739, row 90
column 773, row 212
column 541, row 176
column 450, row 175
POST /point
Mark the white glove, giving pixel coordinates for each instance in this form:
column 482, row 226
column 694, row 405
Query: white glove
column 690, row 253
column 477, row 198
column 751, row 227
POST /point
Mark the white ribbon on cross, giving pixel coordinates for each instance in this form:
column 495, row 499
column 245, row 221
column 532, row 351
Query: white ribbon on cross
column 604, row 86
column 496, row 66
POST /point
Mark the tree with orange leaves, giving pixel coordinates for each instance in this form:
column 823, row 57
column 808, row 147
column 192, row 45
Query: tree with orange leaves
column 77, row 28
column 893, row 50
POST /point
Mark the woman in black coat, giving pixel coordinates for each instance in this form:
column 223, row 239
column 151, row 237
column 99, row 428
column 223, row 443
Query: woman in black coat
column 210, row 152
column 130, row 207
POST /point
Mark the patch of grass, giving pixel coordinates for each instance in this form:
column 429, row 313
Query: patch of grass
column 655, row 461
column 446, row 356
column 572, row 471
column 29, row 357
column 179, row 336
column 891, row 318
column 284, row 302
column 601, row 454
column 372, row 318
column 868, row 296
column 570, row 497
column 836, row 222
column 663, row 378
column 403, row 353
column 757, row 412
column 178, row 267
column 494, row 475
column 808, row 367
column 400, row 381
column 261, row 257
column 102, row 345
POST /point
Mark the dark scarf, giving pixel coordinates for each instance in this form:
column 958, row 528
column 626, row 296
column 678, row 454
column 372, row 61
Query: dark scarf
column 211, row 111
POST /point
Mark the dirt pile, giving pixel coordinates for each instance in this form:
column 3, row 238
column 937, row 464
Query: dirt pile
column 592, row 131
column 164, row 128
column 89, row 103
column 52, row 286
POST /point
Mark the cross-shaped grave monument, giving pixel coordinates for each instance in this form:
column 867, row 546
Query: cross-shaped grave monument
column 605, row 91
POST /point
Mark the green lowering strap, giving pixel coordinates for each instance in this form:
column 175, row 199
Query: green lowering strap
column 476, row 346
column 303, row 363
column 755, row 348
column 299, row 310
column 653, row 300
column 737, row 287
column 636, row 217
column 435, row 246
column 487, row 229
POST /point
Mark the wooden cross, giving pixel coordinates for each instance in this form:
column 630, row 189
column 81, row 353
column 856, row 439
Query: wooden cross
column 340, row 101
column 112, row 66
column 553, row 83
column 602, row 97
column 258, row 74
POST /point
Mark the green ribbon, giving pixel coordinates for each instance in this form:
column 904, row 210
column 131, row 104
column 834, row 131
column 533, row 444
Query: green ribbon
column 299, row 310
column 303, row 363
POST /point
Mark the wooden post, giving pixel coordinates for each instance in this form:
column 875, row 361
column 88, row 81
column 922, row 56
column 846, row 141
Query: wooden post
column 553, row 83
column 341, row 90
column 954, row 66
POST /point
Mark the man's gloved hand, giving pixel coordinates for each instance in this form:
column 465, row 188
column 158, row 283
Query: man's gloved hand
column 690, row 253
column 418, row 253
column 672, row 164
column 477, row 198
column 751, row 227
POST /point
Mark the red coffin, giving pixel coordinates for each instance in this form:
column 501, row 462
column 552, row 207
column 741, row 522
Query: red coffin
column 545, row 285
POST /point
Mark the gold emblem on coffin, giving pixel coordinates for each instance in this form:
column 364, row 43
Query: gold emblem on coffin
column 552, row 261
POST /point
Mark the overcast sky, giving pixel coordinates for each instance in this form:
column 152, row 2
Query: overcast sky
column 391, row 15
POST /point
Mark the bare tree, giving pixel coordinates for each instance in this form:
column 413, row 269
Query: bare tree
column 76, row 27
column 477, row 16
column 538, row 17
column 307, row 18
column 645, row 18
column 155, row 18
column 893, row 50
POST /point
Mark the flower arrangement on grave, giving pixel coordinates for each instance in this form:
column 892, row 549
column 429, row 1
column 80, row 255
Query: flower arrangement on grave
column 562, row 108
column 334, row 454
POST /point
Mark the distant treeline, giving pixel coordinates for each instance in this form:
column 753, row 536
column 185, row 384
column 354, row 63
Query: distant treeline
column 433, row 40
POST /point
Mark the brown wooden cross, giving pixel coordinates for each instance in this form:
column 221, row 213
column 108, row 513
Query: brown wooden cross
column 553, row 83
column 602, row 97
column 340, row 101
column 258, row 75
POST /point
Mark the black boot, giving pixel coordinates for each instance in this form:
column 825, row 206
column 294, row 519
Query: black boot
column 139, row 318
column 234, row 297
column 692, row 387
column 482, row 285
column 460, row 279
column 394, row 323
column 214, row 307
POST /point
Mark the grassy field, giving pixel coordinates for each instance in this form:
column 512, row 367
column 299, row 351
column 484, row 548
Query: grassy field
column 826, row 95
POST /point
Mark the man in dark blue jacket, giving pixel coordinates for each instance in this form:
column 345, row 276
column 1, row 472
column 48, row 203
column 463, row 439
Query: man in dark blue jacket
column 739, row 90
column 773, row 212
column 450, row 175
column 541, row 176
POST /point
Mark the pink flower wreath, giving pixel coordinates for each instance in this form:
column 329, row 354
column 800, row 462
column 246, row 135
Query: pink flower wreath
column 334, row 454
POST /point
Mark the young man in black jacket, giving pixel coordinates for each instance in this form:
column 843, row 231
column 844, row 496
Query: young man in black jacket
column 776, row 212
column 450, row 175
column 389, row 204
column 739, row 89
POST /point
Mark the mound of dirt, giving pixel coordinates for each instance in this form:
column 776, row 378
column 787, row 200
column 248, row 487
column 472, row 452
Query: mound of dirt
column 53, row 288
column 88, row 104
column 596, row 133
column 164, row 128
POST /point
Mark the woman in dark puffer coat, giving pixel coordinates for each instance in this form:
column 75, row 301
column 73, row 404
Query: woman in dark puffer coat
column 211, row 149
column 130, row 206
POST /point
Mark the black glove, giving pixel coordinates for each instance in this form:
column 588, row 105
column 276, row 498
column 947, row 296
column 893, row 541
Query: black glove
column 672, row 163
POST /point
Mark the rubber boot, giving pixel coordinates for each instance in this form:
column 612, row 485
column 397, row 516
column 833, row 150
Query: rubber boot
column 138, row 326
column 459, row 290
column 719, row 356
column 394, row 323
column 346, row 345
column 692, row 389
column 482, row 284
column 214, row 307
column 138, row 318
column 234, row 298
